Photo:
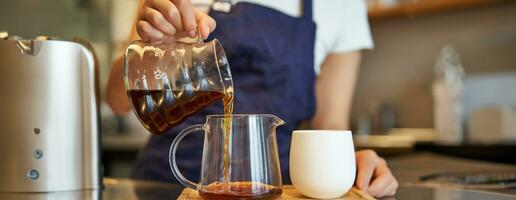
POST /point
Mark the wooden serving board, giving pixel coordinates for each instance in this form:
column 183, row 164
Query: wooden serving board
column 289, row 192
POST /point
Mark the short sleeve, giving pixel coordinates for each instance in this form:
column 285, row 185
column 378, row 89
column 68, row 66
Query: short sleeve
column 343, row 25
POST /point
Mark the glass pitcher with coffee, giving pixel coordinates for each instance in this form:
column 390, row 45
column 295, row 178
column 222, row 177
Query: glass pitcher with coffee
column 166, row 83
column 240, row 164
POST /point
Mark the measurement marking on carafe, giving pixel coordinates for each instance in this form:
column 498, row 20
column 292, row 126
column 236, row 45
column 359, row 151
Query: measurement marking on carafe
column 158, row 74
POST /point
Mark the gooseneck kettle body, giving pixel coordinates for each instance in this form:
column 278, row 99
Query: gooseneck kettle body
column 49, row 135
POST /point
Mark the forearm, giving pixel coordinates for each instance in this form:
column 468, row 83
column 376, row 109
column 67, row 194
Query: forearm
column 116, row 96
column 334, row 91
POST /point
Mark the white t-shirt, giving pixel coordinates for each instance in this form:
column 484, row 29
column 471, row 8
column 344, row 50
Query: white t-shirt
column 342, row 25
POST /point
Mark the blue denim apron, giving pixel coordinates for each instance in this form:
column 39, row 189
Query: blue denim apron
column 271, row 57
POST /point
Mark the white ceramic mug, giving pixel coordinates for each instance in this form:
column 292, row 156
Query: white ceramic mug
column 322, row 163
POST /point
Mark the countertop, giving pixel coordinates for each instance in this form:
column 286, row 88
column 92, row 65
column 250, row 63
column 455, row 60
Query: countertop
column 407, row 169
column 126, row 189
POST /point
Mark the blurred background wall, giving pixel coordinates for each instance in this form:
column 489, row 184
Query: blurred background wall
column 399, row 71
column 63, row 18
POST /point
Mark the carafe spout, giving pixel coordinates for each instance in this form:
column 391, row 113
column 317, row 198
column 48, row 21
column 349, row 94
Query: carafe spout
column 275, row 121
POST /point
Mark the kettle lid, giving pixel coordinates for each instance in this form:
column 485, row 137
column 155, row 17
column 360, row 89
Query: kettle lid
column 4, row 35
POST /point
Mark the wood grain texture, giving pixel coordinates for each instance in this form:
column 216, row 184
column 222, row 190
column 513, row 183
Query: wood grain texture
column 289, row 192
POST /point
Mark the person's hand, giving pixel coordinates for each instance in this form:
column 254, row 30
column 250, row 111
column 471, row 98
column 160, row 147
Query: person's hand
column 167, row 20
column 373, row 174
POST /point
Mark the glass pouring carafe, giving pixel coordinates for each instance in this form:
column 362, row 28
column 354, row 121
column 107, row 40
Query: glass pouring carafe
column 166, row 83
column 252, row 168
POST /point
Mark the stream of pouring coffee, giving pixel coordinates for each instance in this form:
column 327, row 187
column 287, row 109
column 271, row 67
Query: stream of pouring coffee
column 228, row 110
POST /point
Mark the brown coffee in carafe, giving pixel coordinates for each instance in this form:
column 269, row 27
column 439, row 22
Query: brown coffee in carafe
column 160, row 110
column 239, row 190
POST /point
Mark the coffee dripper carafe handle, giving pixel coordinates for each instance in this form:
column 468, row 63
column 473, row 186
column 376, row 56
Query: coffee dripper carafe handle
column 172, row 155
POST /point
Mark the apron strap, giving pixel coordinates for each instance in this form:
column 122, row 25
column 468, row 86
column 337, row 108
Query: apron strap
column 307, row 9
column 225, row 5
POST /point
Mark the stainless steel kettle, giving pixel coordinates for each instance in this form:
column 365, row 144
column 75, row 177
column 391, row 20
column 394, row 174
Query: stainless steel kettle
column 49, row 130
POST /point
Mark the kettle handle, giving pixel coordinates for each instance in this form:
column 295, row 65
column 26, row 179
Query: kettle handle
column 94, row 63
column 92, row 117
column 172, row 155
